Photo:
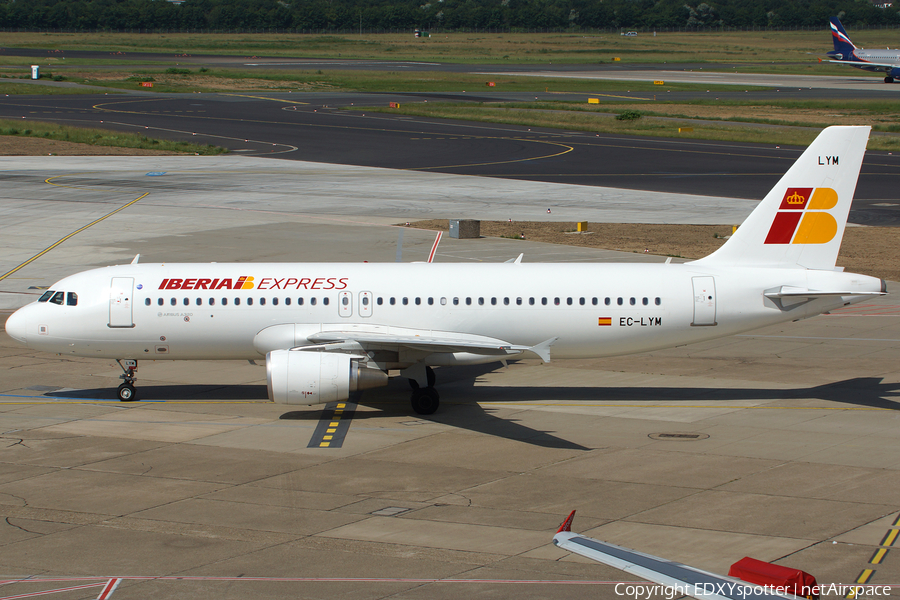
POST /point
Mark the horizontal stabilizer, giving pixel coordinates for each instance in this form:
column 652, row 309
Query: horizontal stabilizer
column 788, row 291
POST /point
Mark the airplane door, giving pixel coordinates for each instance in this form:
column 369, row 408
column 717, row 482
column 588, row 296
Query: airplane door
column 704, row 301
column 345, row 304
column 365, row 304
column 120, row 301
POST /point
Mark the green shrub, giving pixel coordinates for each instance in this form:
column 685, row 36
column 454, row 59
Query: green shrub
column 628, row 115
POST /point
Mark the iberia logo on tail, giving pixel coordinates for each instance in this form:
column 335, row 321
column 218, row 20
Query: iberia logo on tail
column 801, row 217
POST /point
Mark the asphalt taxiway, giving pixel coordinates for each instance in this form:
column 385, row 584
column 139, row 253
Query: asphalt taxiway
column 780, row 444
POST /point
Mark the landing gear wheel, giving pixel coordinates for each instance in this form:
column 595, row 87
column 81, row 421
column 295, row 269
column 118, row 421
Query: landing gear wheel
column 126, row 392
column 889, row 80
column 425, row 401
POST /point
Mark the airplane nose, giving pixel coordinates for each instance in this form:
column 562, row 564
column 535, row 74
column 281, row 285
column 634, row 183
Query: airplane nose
column 15, row 326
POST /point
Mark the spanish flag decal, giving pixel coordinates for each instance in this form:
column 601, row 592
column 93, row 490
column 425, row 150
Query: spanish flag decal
column 604, row 321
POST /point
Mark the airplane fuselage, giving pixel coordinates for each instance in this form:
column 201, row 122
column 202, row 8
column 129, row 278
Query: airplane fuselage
column 240, row 311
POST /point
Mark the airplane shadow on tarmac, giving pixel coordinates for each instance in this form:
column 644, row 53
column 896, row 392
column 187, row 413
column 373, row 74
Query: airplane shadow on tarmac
column 461, row 407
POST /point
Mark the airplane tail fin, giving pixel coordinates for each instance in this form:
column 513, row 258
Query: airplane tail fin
column 801, row 220
column 843, row 47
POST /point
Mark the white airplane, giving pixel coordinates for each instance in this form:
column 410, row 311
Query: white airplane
column 329, row 329
column 845, row 52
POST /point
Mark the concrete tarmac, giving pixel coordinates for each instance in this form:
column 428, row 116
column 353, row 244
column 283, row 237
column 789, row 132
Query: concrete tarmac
column 780, row 444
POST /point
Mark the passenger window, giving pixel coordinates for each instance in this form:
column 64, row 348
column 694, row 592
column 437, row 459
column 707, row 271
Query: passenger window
column 430, row 301
column 237, row 301
column 212, row 301
column 544, row 301
column 275, row 301
column 393, row 301
column 173, row 301
column 199, row 301
column 658, row 301
column 581, row 301
column 569, row 301
column 646, row 301
column 607, row 301
column 186, row 301
column 380, row 301
column 224, row 301
column 455, row 301
column 632, row 301
column 620, row 301
column 519, row 301
column 468, row 301
column 506, row 301
column 531, row 301
column 345, row 300
column 312, row 301
column 493, row 302
column 46, row 296
column 405, row 301
column 299, row 301
column 147, row 302
column 287, row 301
column 595, row 301
column 556, row 301
column 249, row 301
column 443, row 301
column 480, row 301
column 325, row 300
column 418, row 301
column 262, row 301
column 58, row 298
column 72, row 299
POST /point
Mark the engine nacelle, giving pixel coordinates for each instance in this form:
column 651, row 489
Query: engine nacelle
column 303, row 377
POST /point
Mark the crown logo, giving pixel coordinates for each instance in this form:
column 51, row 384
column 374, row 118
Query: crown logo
column 795, row 198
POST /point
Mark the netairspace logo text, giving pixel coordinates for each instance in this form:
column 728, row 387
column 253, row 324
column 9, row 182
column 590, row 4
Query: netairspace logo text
column 744, row 591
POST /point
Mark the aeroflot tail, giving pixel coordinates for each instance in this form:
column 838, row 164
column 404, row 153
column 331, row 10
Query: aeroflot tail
column 802, row 219
column 843, row 47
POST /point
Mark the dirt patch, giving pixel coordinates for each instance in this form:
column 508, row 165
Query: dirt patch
column 867, row 250
column 15, row 145
column 816, row 117
column 209, row 82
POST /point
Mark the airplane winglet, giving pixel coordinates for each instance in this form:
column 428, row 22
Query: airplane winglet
column 517, row 260
column 137, row 257
column 543, row 349
column 567, row 524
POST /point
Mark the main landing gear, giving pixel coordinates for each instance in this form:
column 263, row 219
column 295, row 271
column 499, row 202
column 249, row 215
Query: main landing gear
column 126, row 391
column 425, row 400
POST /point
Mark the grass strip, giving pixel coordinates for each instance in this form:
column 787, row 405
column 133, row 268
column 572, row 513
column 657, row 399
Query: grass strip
column 101, row 137
column 734, row 131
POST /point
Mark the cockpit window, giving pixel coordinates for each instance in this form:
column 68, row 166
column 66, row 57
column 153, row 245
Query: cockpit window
column 47, row 295
column 71, row 299
column 58, row 298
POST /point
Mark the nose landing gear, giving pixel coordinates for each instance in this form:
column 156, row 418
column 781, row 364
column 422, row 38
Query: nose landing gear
column 126, row 392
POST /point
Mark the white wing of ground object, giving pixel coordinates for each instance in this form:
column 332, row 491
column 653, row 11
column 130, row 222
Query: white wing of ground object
column 685, row 580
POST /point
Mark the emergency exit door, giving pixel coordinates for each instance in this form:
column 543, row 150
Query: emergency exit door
column 120, row 302
column 704, row 301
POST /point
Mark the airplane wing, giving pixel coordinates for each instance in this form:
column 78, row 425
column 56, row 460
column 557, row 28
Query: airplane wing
column 867, row 66
column 430, row 341
column 683, row 579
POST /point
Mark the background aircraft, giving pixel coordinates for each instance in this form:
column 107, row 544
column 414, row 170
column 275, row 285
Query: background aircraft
column 329, row 329
column 846, row 53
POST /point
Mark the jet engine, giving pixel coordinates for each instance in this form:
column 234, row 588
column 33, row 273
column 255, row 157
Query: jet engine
column 308, row 377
